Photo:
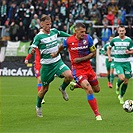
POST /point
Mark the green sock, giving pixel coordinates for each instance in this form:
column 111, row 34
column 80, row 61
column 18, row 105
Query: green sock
column 119, row 82
column 64, row 85
column 111, row 78
column 123, row 89
column 108, row 78
column 39, row 100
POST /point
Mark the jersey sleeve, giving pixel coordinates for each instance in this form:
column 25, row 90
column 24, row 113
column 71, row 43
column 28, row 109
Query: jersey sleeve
column 131, row 45
column 105, row 47
column 36, row 42
column 28, row 56
column 90, row 40
column 90, row 43
column 111, row 43
column 65, row 43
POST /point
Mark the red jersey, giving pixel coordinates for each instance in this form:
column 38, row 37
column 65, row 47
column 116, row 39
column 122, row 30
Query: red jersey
column 78, row 49
column 37, row 64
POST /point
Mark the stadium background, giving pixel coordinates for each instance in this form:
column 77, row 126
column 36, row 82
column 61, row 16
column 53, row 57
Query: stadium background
column 20, row 21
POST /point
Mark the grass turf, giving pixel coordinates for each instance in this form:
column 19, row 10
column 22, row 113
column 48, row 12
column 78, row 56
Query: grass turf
column 17, row 109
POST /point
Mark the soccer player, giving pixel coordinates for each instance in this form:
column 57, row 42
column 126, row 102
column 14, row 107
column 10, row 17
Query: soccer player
column 123, row 47
column 37, row 67
column 46, row 42
column 109, row 65
column 81, row 50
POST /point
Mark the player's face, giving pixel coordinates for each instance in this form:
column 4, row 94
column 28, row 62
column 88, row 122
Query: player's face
column 46, row 25
column 121, row 32
column 80, row 33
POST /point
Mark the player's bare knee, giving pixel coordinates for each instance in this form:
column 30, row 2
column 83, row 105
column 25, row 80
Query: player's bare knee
column 96, row 89
column 69, row 77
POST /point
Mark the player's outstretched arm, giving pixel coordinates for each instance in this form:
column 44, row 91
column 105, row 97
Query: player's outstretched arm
column 60, row 48
column 85, row 58
column 109, row 54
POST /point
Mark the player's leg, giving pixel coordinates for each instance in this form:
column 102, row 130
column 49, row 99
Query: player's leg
column 91, row 98
column 39, row 86
column 46, row 78
column 64, row 71
column 121, row 76
column 92, row 78
column 40, row 96
column 127, row 72
column 107, row 63
column 111, row 74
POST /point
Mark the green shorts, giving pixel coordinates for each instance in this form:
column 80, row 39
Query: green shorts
column 109, row 65
column 48, row 71
column 123, row 68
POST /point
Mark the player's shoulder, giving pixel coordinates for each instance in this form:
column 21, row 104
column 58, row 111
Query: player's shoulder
column 70, row 38
column 128, row 38
column 54, row 30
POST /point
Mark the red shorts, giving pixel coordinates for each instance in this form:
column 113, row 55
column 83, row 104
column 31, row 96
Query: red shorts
column 37, row 70
column 88, row 74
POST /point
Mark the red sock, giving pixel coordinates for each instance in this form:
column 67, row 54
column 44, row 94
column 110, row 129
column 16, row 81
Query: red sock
column 93, row 103
column 39, row 86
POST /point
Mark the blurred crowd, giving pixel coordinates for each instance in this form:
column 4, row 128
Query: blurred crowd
column 21, row 18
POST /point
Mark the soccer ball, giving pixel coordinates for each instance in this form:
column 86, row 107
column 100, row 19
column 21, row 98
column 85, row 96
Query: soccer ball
column 128, row 106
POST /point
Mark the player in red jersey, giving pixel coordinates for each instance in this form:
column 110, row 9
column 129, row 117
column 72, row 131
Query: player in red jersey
column 37, row 67
column 81, row 50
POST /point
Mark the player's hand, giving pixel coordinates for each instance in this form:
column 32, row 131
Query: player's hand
column 26, row 61
column 127, row 52
column 110, row 59
column 77, row 60
column 54, row 54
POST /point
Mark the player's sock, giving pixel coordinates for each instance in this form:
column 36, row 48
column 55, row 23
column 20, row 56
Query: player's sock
column 119, row 82
column 111, row 78
column 39, row 87
column 93, row 103
column 64, row 85
column 123, row 89
column 39, row 100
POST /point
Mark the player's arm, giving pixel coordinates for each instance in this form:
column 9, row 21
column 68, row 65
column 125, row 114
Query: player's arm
column 34, row 45
column 27, row 58
column 109, row 54
column 87, row 57
column 60, row 48
column 63, row 34
column 130, row 50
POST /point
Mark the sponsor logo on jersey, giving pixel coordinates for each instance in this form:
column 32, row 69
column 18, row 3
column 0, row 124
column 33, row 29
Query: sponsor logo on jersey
column 79, row 48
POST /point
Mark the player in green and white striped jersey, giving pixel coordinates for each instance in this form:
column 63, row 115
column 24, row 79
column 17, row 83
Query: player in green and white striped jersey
column 46, row 42
column 109, row 65
column 123, row 47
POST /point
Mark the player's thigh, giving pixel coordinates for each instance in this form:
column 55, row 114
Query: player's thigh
column 112, row 65
column 127, row 70
column 47, row 75
column 86, row 86
column 119, row 69
column 62, row 70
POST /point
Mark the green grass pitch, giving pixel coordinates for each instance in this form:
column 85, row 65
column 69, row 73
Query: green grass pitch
column 17, row 109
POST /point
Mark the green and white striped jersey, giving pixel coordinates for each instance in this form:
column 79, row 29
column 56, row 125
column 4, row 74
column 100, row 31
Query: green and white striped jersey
column 105, row 48
column 47, row 44
column 120, row 47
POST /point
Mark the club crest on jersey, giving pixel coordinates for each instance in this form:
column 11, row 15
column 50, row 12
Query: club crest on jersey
column 72, row 43
column 84, row 41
